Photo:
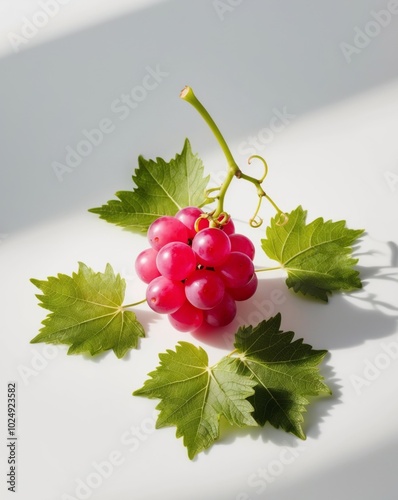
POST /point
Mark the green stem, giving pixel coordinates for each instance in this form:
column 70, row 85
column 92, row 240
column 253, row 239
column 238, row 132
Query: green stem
column 188, row 95
column 268, row 269
column 135, row 304
column 256, row 182
column 233, row 170
column 273, row 204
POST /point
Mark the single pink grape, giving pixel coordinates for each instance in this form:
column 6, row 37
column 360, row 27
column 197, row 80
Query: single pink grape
column 229, row 227
column 237, row 270
column 145, row 265
column 165, row 230
column 223, row 313
column 212, row 247
column 188, row 217
column 204, row 289
column 176, row 261
column 165, row 296
column 241, row 243
column 246, row 291
column 187, row 318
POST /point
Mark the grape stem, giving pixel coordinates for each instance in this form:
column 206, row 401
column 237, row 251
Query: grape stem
column 188, row 95
column 233, row 169
column 134, row 304
column 268, row 269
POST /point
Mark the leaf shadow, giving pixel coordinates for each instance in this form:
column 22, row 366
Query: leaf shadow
column 394, row 253
column 147, row 318
column 345, row 321
column 320, row 406
column 97, row 358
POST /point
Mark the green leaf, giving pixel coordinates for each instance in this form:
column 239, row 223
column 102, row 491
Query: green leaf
column 161, row 189
column 285, row 372
column 316, row 256
column 87, row 313
column 194, row 395
column 267, row 378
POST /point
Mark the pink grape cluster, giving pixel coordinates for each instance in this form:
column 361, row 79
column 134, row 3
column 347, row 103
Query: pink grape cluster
column 195, row 277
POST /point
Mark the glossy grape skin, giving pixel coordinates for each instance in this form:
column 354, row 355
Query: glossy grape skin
column 223, row 313
column 145, row 265
column 237, row 270
column 165, row 296
column 165, row 230
column 244, row 292
column 187, row 318
column 229, row 227
column 176, row 261
column 196, row 277
column 204, row 289
column 188, row 216
column 212, row 247
column 241, row 243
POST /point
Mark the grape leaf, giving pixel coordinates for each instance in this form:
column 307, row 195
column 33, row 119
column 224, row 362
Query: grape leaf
column 87, row 313
column 194, row 395
column 161, row 189
column 316, row 256
column 285, row 373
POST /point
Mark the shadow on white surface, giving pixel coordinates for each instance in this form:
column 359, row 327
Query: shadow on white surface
column 345, row 321
column 367, row 476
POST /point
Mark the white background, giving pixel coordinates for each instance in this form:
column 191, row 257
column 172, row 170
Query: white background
column 336, row 154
